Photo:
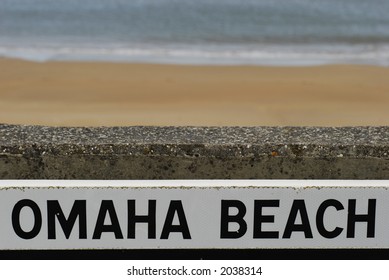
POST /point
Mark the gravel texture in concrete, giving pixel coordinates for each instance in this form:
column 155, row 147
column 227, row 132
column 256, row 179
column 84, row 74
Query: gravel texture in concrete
column 37, row 152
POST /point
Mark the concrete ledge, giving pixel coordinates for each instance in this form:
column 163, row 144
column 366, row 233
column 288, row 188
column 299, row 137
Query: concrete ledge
column 37, row 152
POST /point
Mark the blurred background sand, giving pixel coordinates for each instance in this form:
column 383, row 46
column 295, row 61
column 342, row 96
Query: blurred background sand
column 116, row 94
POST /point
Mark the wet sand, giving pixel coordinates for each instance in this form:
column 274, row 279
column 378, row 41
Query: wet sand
column 111, row 94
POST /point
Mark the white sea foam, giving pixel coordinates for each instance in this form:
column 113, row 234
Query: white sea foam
column 263, row 55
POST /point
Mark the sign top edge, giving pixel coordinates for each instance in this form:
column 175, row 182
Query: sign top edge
column 194, row 183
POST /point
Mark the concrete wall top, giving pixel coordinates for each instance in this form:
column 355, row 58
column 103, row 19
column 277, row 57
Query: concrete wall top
column 38, row 152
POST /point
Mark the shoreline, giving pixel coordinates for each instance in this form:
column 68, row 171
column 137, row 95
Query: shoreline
column 122, row 94
column 204, row 61
column 203, row 55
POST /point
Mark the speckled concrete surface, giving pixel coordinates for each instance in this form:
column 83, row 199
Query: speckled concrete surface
column 36, row 152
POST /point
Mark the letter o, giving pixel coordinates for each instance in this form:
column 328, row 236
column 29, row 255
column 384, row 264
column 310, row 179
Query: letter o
column 16, row 219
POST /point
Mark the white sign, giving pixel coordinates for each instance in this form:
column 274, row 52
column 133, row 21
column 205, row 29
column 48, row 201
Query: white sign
column 74, row 214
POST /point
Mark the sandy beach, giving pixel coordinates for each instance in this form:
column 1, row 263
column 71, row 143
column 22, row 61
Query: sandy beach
column 116, row 94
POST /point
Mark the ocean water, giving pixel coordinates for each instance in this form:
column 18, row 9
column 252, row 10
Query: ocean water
column 276, row 32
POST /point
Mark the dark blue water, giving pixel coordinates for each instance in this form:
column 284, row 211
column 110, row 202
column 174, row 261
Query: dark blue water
column 201, row 31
